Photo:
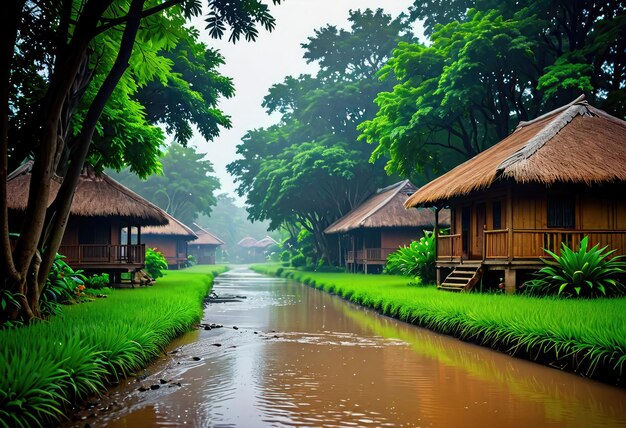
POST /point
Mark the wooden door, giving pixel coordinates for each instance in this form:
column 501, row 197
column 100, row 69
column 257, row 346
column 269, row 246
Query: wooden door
column 479, row 236
column 466, row 221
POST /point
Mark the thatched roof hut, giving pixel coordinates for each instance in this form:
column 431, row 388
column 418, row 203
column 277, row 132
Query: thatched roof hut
column 96, row 195
column 206, row 238
column 247, row 242
column 265, row 242
column 386, row 209
column 576, row 143
column 174, row 228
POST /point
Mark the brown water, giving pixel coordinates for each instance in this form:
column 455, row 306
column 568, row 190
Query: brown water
column 317, row 360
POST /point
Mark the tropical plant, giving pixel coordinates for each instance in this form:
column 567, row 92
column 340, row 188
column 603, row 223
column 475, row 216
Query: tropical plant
column 418, row 259
column 155, row 263
column 583, row 273
column 96, row 282
column 64, row 284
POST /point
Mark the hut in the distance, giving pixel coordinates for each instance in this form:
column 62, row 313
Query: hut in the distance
column 103, row 233
column 203, row 248
column 381, row 224
column 171, row 240
column 557, row 178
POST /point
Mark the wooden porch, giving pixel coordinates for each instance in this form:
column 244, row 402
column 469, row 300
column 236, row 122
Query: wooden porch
column 525, row 245
column 372, row 256
column 104, row 256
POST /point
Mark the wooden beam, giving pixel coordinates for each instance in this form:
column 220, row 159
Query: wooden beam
column 509, row 220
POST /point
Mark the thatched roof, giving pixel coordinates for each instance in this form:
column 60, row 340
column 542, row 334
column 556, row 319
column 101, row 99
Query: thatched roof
column 173, row 228
column 576, row 143
column 265, row 242
column 247, row 242
column 96, row 195
column 386, row 209
column 206, row 238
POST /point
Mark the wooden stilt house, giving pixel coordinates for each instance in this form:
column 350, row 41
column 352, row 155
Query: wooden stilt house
column 380, row 225
column 557, row 178
column 203, row 248
column 103, row 233
column 171, row 240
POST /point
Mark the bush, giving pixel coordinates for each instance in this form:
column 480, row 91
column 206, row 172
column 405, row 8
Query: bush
column 418, row 259
column 298, row 260
column 97, row 282
column 191, row 261
column 582, row 273
column 63, row 285
column 155, row 263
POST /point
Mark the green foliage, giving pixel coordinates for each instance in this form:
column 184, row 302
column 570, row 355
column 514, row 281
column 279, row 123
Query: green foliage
column 486, row 66
column 184, row 188
column 47, row 366
column 191, row 260
column 64, row 285
column 309, row 169
column 416, row 260
column 298, row 260
column 155, row 263
column 583, row 273
column 97, row 282
column 589, row 336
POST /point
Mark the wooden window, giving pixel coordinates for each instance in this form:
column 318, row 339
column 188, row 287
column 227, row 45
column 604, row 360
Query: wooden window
column 496, row 208
column 561, row 211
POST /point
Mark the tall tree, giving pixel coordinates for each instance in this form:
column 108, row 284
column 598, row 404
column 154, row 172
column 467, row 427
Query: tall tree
column 487, row 66
column 184, row 188
column 308, row 170
column 80, row 54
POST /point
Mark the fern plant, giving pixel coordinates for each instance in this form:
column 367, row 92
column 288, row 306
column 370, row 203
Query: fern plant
column 417, row 260
column 588, row 272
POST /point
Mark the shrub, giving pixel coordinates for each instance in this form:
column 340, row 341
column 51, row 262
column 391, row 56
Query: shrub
column 582, row 273
column 63, row 285
column 96, row 282
column 191, row 261
column 418, row 259
column 298, row 260
column 155, row 263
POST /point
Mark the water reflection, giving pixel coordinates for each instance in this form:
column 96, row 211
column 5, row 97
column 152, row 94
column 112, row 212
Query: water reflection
column 301, row 357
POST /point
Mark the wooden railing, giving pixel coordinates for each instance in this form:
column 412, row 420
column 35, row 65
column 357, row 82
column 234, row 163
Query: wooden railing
column 448, row 247
column 103, row 254
column 369, row 255
column 530, row 243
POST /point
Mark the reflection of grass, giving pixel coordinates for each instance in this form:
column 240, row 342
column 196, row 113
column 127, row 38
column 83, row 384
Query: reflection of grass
column 585, row 336
column 47, row 366
column 557, row 399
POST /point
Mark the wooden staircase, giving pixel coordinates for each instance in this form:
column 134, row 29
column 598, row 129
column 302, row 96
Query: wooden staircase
column 462, row 278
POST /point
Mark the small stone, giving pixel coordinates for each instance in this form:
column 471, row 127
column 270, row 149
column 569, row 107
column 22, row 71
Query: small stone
column 142, row 389
column 155, row 386
column 217, row 344
column 276, row 337
column 207, row 327
column 197, row 358
column 235, row 327
column 273, row 331
column 256, row 332
column 163, row 381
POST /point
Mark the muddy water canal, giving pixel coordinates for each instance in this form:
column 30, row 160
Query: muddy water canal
column 301, row 357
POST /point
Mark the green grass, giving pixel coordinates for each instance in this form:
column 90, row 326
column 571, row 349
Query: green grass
column 47, row 366
column 581, row 335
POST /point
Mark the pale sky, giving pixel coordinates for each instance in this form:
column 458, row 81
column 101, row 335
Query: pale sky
column 256, row 66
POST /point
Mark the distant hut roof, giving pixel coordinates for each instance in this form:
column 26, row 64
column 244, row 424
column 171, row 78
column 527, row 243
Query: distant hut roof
column 576, row 143
column 173, row 228
column 96, row 195
column 386, row 209
column 206, row 238
column 247, row 242
column 265, row 242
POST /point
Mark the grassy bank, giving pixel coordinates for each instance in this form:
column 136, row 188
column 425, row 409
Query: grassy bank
column 582, row 336
column 47, row 366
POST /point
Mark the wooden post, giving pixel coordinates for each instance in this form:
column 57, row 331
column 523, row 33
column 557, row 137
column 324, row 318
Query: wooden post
column 509, row 280
column 436, row 230
column 509, row 220
column 364, row 256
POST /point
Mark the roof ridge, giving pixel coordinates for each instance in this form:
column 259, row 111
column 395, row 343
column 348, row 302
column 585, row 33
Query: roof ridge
column 371, row 212
column 580, row 100
column 545, row 134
